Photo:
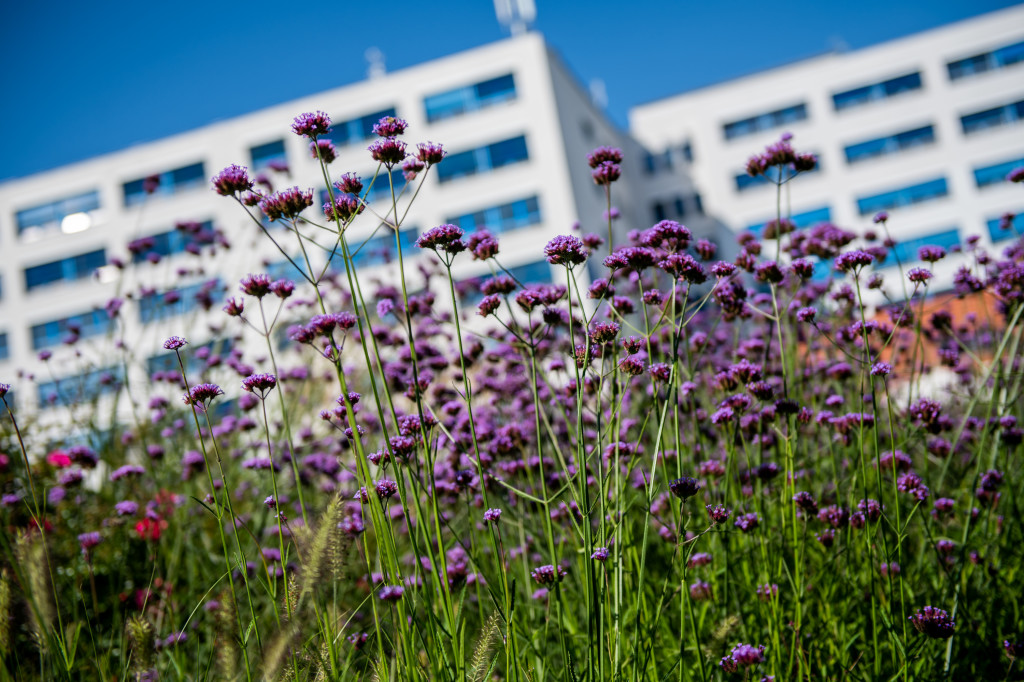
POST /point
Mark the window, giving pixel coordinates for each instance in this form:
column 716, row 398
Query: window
column 470, row 98
column 801, row 220
column 169, row 243
column 80, row 388
column 283, row 269
column 169, row 182
column 658, row 163
column 906, row 252
column 876, row 91
column 5, row 349
column 65, row 270
column 658, row 211
column 687, row 151
column 906, row 196
column 355, row 130
column 84, row 325
column 264, row 155
column 767, row 121
column 482, row 159
column 501, row 218
column 379, row 249
column 175, row 302
column 995, row 174
column 168, row 361
column 1015, row 228
column 987, row 61
column 890, row 144
column 51, row 215
column 537, row 272
column 992, row 118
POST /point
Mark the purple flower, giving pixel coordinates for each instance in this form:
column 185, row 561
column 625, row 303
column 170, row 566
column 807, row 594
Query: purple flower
column 1016, row 175
column 391, row 592
column 600, row 554
column 684, row 487
column 344, row 208
column 483, row 245
column 604, row 155
column 385, row 488
column 350, row 184
column 492, row 515
column 853, row 260
column 126, row 508
column 282, row 288
column 700, row 591
column 126, row 470
column 717, row 514
column 566, row 250
column 259, row 383
column 931, row 254
column 430, row 153
column 747, row 522
column 919, row 275
column 255, row 285
column 323, row 149
column 880, row 217
column 312, row 124
column 606, row 173
column 446, row 238
column 548, row 575
column 933, row 623
column 234, row 307
column 387, row 150
column 807, row 314
column 89, row 540
column 390, row 126
column 742, row 656
column 287, row 203
column 201, row 394
column 232, row 180
column 174, row 343
column 881, row 369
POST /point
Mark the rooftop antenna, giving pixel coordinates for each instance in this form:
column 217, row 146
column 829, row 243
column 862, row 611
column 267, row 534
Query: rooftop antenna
column 515, row 15
column 374, row 63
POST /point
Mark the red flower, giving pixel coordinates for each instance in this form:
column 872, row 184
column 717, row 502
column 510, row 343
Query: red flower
column 148, row 529
column 59, row 459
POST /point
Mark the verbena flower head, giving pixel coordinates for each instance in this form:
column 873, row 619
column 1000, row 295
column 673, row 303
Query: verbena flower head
column 232, row 180
column 566, row 250
column 933, row 622
column 684, row 487
column 201, row 394
column 606, row 173
column 312, row 124
column 880, row 217
column 717, row 514
column 388, row 151
column 919, row 275
column 255, row 285
column 742, row 656
column 881, row 369
column 323, row 149
column 287, row 203
column 492, row 515
column 445, row 238
column 174, row 343
column 604, row 155
column 853, row 261
column 344, row 208
column 931, row 254
column 390, row 126
column 548, row 575
column 391, row 593
column 126, row 508
column 1016, row 175
column 430, row 153
column 89, row 540
column 260, row 384
column 385, row 488
column 350, row 183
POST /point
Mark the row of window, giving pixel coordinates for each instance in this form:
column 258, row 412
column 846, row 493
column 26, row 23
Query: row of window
column 165, row 184
column 170, row 242
column 81, row 387
column 52, row 214
column 890, row 144
column 483, row 159
column 65, row 270
column 175, row 302
column 993, row 118
column 873, row 92
column 82, row 325
column 800, row 220
column 677, row 208
column 906, row 251
column 745, row 181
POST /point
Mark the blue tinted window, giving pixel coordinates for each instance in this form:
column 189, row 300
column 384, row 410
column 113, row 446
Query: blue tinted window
column 996, row 232
column 905, row 196
column 876, row 91
column 85, row 325
column 501, row 218
column 167, row 361
column 744, row 181
column 66, row 270
column 170, row 182
column 482, row 159
column 469, row 98
column 801, row 220
column 50, row 214
column 358, row 129
column 890, row 144
column 996, row 173
column 379, row 249
column 80, row 388
column 171, row 242
column 993, row 118
column 176, row 302
column 265, row 154
column 766, row 121
column 987, row 61
column 5, row 349
column 906, row 252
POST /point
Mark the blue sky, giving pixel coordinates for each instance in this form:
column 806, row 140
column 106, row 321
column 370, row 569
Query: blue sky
column 86, row 78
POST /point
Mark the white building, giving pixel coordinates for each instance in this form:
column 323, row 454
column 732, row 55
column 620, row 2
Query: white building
column 925, row 127
column 516, row 124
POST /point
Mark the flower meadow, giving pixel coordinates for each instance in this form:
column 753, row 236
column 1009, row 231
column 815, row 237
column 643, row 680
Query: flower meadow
column 791, row 465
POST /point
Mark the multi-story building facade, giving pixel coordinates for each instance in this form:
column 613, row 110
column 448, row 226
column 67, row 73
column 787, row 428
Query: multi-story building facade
column 517, row 127
column 925, row 127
